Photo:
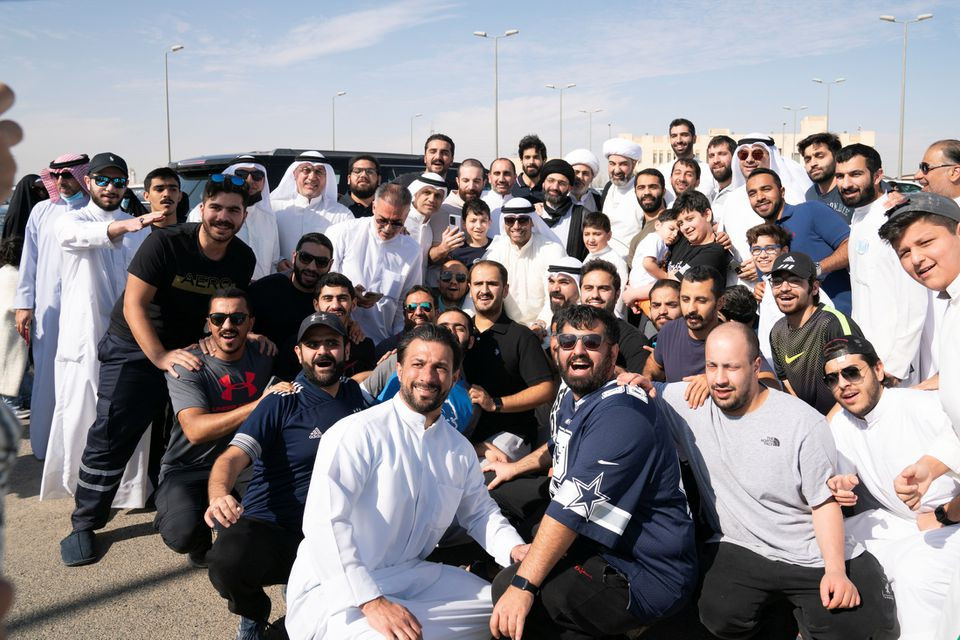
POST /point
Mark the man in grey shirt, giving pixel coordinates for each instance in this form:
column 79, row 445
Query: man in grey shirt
column 209, row 404
column 761, row 460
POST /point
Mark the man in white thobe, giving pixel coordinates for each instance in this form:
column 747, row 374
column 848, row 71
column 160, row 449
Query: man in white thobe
column 386, row 485
column 619, row 201
column 305, row 201
column 379, row 260
column 878, row 434
column 38, row 289
column 98, row 243
column 427, row 194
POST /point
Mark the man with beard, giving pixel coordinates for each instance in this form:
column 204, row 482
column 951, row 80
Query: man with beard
column 371, row 520
column 648, row 187
column 720, row 158
column 777, row 532
column 363, row 178
column 797, row 339
column 585, row 168
column 209, row 404
column 664, row 307
column 622, row 158
column 683, row 137
column 896, row 330
column 939, row 170
column 563, row 290
column 37, row 302
column 279, row 300
column 532, row 153
column 305, row 201
column 819, row 160
column 98, row 242
column 815, row 230
column 160, row 313
column 600, row 288
column 470, row 182
column 502, row 177
column 685, row 176
column 587, row 569
column 336, row 295
column 454, row 276
column 427, row 193
column 562, row 215
column 438, row 152
column 419, row 307
column 258, row 538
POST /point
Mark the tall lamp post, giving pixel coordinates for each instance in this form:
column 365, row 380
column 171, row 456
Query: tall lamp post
column 795, row 110
column 496, row 83
column 333, row 118
column 561, row 88
column 412, row 118
column 166, row 92
column 903, row 79
column 590, row 113
column 837, row 81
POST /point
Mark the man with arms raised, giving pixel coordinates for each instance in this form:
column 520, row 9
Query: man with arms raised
column 819, row 160
column 386, row 484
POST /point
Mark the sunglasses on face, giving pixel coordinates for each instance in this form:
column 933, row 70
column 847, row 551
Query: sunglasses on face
column 102, row 181
column 591, row 341
column 238, row 318
column 757, row 154
column 767, row 248
column 925, row 167
column 243, row 174
column 413, row 306
column 309, row 258
column 851, row 374
column 512, row 220
column 383, row 222
column 795, row 283
column 220, row 178
column 447, row 276
column 63, row 175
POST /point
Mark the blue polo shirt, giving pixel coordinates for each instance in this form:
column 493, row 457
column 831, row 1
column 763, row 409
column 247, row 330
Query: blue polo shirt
column 457, row 408
column 817, row 230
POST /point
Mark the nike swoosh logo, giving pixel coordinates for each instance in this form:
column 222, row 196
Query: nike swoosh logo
column 610, row 464
column 790, row 359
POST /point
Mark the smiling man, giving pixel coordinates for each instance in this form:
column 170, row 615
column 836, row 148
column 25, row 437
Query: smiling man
column 939, row 170
column 501, row 176
column 819, row 160
column 532, row 153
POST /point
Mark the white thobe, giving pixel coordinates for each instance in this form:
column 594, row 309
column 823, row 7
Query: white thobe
column 259, row 232
column 888, row 305
column 905, row 425
column 420, row 229
column 93, row 275
column 384, row 490
column 390, row 268
column 301, row 216
column 494, row 200
column 527, row 267
column 736, row 217
column 39, row 289
column 949, row 355
column 615, row 195
column 626, row 221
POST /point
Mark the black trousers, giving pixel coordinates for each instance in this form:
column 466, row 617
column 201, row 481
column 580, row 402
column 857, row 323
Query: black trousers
column 523, row 501
column 739, row 584
column 247, row 556
column 131, row 392
column 582, row 597
column 181, row 502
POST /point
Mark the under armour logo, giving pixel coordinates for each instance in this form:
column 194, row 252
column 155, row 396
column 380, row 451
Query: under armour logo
column 230, row 387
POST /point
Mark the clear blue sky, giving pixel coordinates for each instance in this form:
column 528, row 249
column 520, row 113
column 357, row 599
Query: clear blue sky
column 259, row 75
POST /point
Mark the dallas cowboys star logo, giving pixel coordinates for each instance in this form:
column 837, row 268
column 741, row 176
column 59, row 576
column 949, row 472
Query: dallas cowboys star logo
column 588, row 496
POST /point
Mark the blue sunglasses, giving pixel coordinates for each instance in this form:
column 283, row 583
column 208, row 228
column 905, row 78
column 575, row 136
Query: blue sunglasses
column 222, row 177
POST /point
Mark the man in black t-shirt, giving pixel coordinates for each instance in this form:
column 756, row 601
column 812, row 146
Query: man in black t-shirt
column 698, row 245
column 336, row 295
column 162, row 312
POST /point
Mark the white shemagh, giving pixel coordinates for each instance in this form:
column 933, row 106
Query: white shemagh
column 287, row 189
column 523, row 207
column 792, row 174
column 259, row 230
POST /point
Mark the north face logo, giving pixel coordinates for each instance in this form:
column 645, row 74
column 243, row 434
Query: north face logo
column 770, row 441
column 230, row 387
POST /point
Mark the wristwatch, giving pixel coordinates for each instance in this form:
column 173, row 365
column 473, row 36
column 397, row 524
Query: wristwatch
column 818, row 268
column 524, row 584
column 940, row 513
column 497, row 405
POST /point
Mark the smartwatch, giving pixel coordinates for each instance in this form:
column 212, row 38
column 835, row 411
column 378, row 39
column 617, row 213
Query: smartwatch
column 497, row 405
column 940, row 513
column 525, row 585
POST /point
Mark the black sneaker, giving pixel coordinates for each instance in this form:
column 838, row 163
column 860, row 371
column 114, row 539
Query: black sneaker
column 198, row 559
column 79, row 548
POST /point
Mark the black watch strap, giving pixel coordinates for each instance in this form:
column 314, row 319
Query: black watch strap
column 522, row 583
column 940, row 513
column 497, row 405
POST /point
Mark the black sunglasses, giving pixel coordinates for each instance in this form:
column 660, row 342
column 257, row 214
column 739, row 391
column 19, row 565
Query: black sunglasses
column 509, row 221
column 850, row 374
column 926, row 168
column 308, row 258
column 222, row 177
column 591, row 341
column 243, row 174
column 62, row 174
column 382, row 222
column 413, row 306
column 238, row 318
column 102, row 181
column 447, row 276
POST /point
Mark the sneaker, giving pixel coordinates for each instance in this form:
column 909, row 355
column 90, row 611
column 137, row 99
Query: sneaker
column 198, row 559
column 79, row 548
column 249, row 629
column 276, row 630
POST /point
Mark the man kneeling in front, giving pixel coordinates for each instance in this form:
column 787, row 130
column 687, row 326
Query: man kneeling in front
column 386, row 484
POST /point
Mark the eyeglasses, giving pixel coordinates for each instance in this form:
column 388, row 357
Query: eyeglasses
column 591, row 341
column 383, row 222
column 447, row 276
column 757, row 154
column 309, row 258
column 767, row 248
column 509, row 221
column 413, row 306
column 243, row 174
column 102, row 181
column 794, row 282
column 63, row 175
column 365, row 172
column 238, row 318
column 307, row 170
column 925, row 167
column 221, row 178
column 851, row 374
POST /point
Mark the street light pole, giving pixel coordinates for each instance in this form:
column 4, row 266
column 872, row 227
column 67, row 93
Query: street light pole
column 561, row 89
column 416, row 115
column 609, row 130
column 590, row 113
column 166, row 92
column 795, row 110
column 496, row 83
column 333, row 118
column 903, row 79
column 832, row 82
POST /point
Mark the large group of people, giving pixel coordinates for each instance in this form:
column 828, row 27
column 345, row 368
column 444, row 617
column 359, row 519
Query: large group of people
column 509, row 403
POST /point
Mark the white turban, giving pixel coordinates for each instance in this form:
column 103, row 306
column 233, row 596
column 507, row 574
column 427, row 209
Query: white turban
column 583, row 156
column 428, row 179
column 622, row 147
column 287, row 189
column 567, row 265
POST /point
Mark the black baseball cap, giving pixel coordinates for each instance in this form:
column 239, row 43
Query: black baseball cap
column 925, row 202
column 107, row 159
column 321, row 319
column 799, row 264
